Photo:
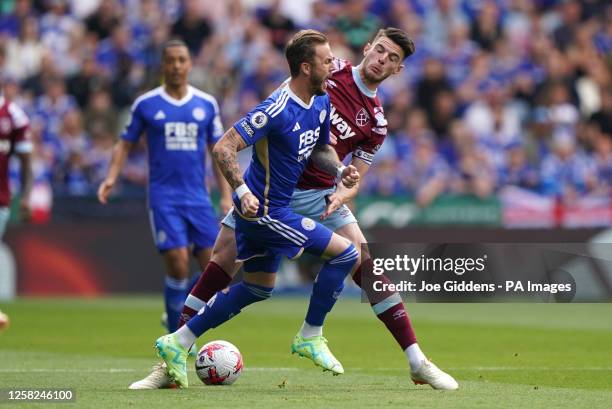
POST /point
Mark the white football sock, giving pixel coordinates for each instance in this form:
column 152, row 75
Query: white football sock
column 185, row 337
column 415, row 356
column 311, row 330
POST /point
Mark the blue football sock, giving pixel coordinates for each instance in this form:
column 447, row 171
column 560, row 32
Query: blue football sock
column 174, row 297
column 225, row 305
column 329, row 285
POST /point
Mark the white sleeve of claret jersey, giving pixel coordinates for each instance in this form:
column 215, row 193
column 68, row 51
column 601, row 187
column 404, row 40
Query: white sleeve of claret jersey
column 21, row 133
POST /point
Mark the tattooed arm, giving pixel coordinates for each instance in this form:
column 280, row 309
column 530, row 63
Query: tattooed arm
column 326, row 159
column 224, row 153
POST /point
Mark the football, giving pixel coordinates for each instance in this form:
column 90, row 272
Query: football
column 219, row 363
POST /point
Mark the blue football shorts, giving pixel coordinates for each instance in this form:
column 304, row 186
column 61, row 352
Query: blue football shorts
column 261, row 243
column 176, row 226
column 311, row 203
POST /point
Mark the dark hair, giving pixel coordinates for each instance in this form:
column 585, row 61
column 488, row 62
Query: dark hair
column 301, row 48
column 175, row 42
column 399, row 37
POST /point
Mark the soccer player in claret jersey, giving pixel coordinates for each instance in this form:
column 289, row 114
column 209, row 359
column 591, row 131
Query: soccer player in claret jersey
column 266, row 228
column 180, row 122
column 14, row 139
column 358, row 127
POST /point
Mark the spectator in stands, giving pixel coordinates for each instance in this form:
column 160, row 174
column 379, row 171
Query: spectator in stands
column 517, row 171
column 103, row 21
column 432, row 83
column 426, row 173
column 474, row 174
column 486, row 28
column 10, row 24
column 602, row 148
column 280, row 26
column 357, row 24
column 24, row 53
column 51, row 107
column 192, row 27
column 566, row 172
column 56, row 26
column 85, row 81
column 602, row 119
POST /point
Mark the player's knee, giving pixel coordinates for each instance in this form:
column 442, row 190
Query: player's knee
column 347, row 259
column 177, row 269
column 257, row 292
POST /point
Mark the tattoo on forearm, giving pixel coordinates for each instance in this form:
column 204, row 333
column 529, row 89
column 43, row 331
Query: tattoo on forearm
column 326, row 159
column 225, row 155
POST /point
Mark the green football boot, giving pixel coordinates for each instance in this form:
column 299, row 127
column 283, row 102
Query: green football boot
column 316, row 349
column 175, row 357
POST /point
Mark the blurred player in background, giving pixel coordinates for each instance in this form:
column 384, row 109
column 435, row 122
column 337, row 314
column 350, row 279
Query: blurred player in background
column 14, row 139
column 180, row 122
column 359, row 127
column 288, row 128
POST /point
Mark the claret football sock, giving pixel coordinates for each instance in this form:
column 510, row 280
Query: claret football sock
column 387, row 306
column 212, row 280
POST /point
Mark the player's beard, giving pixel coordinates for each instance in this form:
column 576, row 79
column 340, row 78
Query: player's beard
column 317, row 85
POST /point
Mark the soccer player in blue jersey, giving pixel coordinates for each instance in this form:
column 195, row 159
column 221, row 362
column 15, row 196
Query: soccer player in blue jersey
column 180, row 123
column 288, row 128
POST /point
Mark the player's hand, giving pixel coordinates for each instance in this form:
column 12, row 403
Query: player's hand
column 104, row 190
column 333, row 139
column 249, row 205
column 333, row 203
column 350, row 176
column 24, row 210
column 226, row 204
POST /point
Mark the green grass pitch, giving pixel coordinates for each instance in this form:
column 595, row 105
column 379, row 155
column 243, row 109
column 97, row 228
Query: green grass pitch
column 503, row 355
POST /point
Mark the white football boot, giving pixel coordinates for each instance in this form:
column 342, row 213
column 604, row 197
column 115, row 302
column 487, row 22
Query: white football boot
column 157, row 379
column 429, row 374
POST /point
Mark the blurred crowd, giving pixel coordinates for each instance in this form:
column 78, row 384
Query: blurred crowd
column 499, row 93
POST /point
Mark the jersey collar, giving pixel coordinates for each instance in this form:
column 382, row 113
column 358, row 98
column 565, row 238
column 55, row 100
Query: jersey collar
column 174, row 101
column 362, row 87
column 298, row 100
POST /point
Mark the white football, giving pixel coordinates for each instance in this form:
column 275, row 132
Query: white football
column 219, row 363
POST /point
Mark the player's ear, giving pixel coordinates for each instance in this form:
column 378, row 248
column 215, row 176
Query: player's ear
column 398, row 69
column 366, row 48
column 306, row 68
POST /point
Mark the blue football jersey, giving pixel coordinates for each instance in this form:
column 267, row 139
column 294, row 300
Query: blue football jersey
column 177, row 135
column 284, row 131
